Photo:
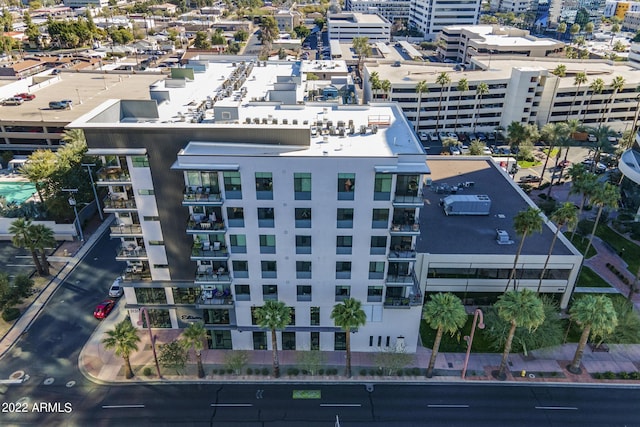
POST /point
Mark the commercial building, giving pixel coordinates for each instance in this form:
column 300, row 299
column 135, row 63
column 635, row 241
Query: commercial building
column 392, row 10
column 345, row 26
column 515, row 6
column 431, row 16
column 287, row 20
column 567, row 10
column 75, row 4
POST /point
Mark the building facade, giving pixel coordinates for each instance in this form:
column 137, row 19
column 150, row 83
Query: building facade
column 345, row 26
column 392, row 10
column 431, row 16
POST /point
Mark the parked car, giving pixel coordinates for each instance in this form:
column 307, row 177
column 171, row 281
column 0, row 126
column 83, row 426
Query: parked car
column 25, row 96
column 592, row 138
column 423, row 135
column 59, row 105
column 487, row 151
column 455, row 151
column 433, row 137
column 452, row 135
column 104, row 308
column 116, row 290
column 529, row 178
column 13, row 101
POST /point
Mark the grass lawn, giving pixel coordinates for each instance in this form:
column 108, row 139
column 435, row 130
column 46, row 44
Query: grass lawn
column 456, row 344
column 553, row 154
column 629, row 251
column 581, row 244
column 525, row 164
column 589, row 279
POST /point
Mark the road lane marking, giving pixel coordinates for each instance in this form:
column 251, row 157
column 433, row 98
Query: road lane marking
column 447, row 406
column 558, row 408
column 121, row 406
column 231, row 405
column 341, row 405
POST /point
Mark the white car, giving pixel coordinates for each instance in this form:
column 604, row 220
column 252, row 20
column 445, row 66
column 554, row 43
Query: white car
column 452, row 135
column 592, row 138
column 116, row 291
column 433, row 137
column 455, row 151
column 423, row 135
column 486, row 151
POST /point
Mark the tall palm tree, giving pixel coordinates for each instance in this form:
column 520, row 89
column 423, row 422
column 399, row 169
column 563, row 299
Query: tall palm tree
column 22, row 231
column 559, row 71
column 463, row 86
column 584, row 184
column 573, row 125
column 374, row 79
column 519, row 308
column 525, row 222
column 194, row 337
column 385, row 85
column 481, row 90
column 443, row 80
column 602, row 134
column 617, row 84
column 597, row 316
column 561, row 29
column 578, row 80
column 274, row 315
column 124, row 339
column 42, row 238
column 444, row 313
column 567, row 214
column 348, row 315
column 421, row 88
column 605, row 196
column 551, row 134
column 596, row 86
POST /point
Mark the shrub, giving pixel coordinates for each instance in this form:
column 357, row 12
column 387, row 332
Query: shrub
column 214, row 371
column 10, row 313
column 416, row 371
column 265, row 371
column 146, row 371
column 249, row 371
column 635, row 375
column 624, row 375
column 399, row 373
column 408, row 371
column 597, row 375
column 609, row 375
column 290, row 371
column 229, row 371
column 320, row 371
column 304, row 372
column 295, row 371
column 372, row 372
column 363, row 372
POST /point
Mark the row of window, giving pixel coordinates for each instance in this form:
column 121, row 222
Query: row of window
column 303, row 217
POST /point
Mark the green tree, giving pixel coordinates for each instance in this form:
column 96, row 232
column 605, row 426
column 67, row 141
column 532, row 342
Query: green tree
column 7, row 21
column 561, row 29
column 565, row 215
column 597, row 317
column 311, row 361
column 42, row 238
column 596, row 86
column 362, row 49
column 602, row 134
column 173, row 355
column 39, row 169
column 376, row 84
column 274, row 315
column 194, row 337
column 585, row 184
column 240, row 36
column 606, row 195
column 202, row 41
column 421, row 88
column 519, row 308
column 525, row 222
column 578, row 80
column 392, row 360
column 481, row 90
column 574, row 30
column 552, row 133
column 123, row 339
column 268, row 29
column 236, row 360
column 22, row 237
column 444, row 313
column 476, row 148
column 462, row 86
column 218, row 38
column 385, row 86
column 348, row 315
column 302, row 32
column 443, row 80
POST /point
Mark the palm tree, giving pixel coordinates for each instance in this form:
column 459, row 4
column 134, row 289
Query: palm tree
column 605, row 195
column 42, row 238
column 443, row 80
column 22, row 231
column 385, row 85
column 602, row 134
column 523, row 309
column 573, row 125
column 463, row 86
column 193, row 337
column 617, row 85
column 597, row 316
column 584, row 184
column 559, row 71
column 596, row 86
column 124, row 340
column 374, row 79
column 579, row 79
column 444, row 313
column 39, row 169
column 421, row 88
column 481, row 90
column 274, row 315
column 551, row 133
column 567, row 214
column 573, row 30
column 348, row 315
column 561, row 29
column 525, row 222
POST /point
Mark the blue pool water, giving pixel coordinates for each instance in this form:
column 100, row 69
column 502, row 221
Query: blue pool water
column 17, row 192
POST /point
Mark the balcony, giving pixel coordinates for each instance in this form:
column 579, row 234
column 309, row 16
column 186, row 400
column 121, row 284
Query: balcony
column 402, row 303
column 112, row 176
column 131, row 253
column 407, row 201
column 135, row 275
column 201, row 197
column 405, row 229
column 206, row 227
column 208, row 277
column 201, row 252
column 217, row 298
column 402, row 254
column 119, row 205
column 126, row 230
column 401, row 279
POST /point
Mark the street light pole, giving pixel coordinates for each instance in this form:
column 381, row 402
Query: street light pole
column 153, row 341
column 93, row 187
column 73, row 203
column 469, row 339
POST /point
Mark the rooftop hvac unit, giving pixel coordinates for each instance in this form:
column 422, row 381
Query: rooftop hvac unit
column 467, row 204
column 503, row 237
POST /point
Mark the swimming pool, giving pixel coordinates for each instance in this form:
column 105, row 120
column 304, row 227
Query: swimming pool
column 17, row 192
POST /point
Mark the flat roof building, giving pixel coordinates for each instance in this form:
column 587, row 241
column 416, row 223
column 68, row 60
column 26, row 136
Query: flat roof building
column 431, row 16
column 346, row 26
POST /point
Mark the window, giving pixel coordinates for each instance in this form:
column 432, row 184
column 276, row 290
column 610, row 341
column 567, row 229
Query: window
column 236, row 217
column 259, row 340
column 288, row 340
column 342, row 292
column 232, row 185
column 374, row 294
column 238, row 243
column 143, row 192
column 185, row 295
column 345, row 218
column 150, row 295
column 380, row 218
column 343, row 270
column 216, row 317
column 269, row 269
column 160, row 265
column 304, row 292
column 158, row 318
column 302, row 186
column 378, row 245
column 156, row 242
column 346, row 186
column 243, row 292
column 264, row 186
column 254, row 315
column 340, row 341
column 240, row 269
column 376, row 270
column 303, row 217
column 315, row 341
column 140, row 161
column 151, row 218
column 303, row 269
column 314, row 313
column 267, row 244
column 382, row 187
column 270, row 292
column 343, row 245
column 219, row 340
column 303, row 244
column 292, row 316
column 265, row 217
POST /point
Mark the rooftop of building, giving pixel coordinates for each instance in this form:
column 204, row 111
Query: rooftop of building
column 504, row 36
column 356, row 18
column 477, row 234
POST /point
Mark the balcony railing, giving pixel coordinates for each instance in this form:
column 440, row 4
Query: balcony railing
column 405, row 228
column 408, row 200
column 119, row 203
column 206, row 226
column 201, row 197
column 215, row 298
column 113, row 174
column 126, row 229
column 402, row 254
column 401, row 279
column 197, row 251
column 130, row 276
column 210, row 277
column 402, row 302
column 131, row 251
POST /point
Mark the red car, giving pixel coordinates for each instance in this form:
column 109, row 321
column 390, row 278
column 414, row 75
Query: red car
column 104, row 308
column 25, row 96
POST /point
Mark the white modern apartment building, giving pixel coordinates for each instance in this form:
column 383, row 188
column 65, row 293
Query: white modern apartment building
column 390, row 9
column 461, row 43
column 347, row 25
column 519, row 89
column 515, row 6
column 431, row 16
